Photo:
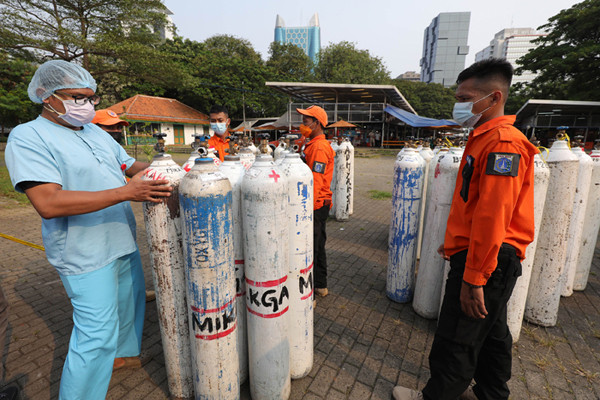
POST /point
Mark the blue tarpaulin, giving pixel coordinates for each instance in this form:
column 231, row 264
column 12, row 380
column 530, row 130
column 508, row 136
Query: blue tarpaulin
column 417, row 121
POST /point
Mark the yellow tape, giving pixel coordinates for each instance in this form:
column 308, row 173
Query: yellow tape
column 14, row 239
column 547, row 152
column 450, row 144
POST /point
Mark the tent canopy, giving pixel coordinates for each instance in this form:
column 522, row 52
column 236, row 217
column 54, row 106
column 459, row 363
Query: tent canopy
column 342, row 124
column 417, row 121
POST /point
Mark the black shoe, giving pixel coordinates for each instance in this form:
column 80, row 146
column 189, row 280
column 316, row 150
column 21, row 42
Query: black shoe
column 9, row 393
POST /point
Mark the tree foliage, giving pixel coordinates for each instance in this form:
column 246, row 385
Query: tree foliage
column 568, row 58
column 431, row 100
column 289, row 63
column 15, row 106
column 344, row 63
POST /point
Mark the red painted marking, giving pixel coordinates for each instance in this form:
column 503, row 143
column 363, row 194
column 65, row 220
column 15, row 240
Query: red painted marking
column 217, row 335
column 437, row 170
column 268, row 315
column 237, row 262
column 241, row 294
column 267, row 283
column 305, row 270
column 187, row 168
column 274, row 175
column 308, row 296
column 212, row 310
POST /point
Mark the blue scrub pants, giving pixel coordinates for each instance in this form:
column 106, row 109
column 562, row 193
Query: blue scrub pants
column 108, row 316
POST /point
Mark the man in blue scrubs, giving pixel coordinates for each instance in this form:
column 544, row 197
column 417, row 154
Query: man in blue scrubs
column 74, row 175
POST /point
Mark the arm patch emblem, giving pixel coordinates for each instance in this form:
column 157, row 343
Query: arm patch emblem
column 319, row 167
column 504, row 164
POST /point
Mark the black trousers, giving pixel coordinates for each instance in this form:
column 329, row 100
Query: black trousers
column 465, row 348
column 320, row 237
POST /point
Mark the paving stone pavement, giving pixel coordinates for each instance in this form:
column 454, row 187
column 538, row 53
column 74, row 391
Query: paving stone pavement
column 364, row 343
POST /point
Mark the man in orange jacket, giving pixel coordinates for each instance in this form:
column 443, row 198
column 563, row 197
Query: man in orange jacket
column 219, row 123
column 319, row 157
column 489, row 228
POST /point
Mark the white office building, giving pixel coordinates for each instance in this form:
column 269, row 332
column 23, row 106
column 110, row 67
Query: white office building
column 445, row 48
column 511, row 44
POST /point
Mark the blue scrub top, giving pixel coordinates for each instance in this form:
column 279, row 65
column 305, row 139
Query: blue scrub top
column 86, row 160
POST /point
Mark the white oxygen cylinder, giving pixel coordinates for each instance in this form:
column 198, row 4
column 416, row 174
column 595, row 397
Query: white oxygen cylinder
column 430, row 276
column 343, row 188
column 351, row 186
column 516, row 303
column 300, row 224
column 543, row 296
column 334, row 147
column 409, row 175
column 233, row 170
column 265, row 211
column 574, row 237
column 163, row 227
column 278, row 153
column 427, row 155
column 205, row 198
column 246, row 153
column 590, row 227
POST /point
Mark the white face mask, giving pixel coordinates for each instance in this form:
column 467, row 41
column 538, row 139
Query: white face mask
column 75, row 114
column 219, row 127
column 463, row 113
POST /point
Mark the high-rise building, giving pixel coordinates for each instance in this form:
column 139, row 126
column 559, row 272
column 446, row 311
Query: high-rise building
column 511, row 44
column 308, row 38
column 445, row 48
column 410, row 76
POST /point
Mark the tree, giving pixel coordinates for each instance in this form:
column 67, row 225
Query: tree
column 431, row 100
column 111, row 39
column 568, row 58
column 15, row 106
column 289, row 63
column 344, row 63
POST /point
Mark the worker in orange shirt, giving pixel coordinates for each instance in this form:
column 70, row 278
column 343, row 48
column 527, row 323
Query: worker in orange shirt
column 219, row 123
column 319, row 157
column 489, row 228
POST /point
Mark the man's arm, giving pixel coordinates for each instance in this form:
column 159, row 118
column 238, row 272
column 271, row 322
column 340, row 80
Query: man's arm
column 50, row 201
column 136, row 167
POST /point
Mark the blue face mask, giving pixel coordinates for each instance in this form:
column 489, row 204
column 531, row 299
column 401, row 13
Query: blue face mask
column 218, row 127
column 463, row 113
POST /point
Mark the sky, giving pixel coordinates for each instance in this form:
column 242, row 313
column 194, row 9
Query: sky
column 389, row 29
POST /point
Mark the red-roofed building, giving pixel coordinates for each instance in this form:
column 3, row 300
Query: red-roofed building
column 170, row 116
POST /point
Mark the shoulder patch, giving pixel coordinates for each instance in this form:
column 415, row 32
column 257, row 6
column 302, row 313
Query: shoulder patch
column 505, row 164
column 318, row 167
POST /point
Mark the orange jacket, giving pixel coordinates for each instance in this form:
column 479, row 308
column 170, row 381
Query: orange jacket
column 495, row 205
column 319, row 157
column 219, row 144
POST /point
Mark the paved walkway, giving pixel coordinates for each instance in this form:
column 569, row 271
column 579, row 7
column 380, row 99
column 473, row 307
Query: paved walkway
column 364, row 343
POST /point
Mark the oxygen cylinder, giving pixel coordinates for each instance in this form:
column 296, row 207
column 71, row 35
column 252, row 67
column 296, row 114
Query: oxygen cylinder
column 574, row 237
column 344, row 180
column 430, row 280
column 300, row 277
column 333, row 186
column 516, row 303
column 543, row 296
column 246, row 153
column 427, row 155
column 163, row 227
column 205, row 197
column 265, row 211
column 590, row 227
column 278, row 153
column 351, row 186
column 199, row 149
column 409, row 175
column 233, row 170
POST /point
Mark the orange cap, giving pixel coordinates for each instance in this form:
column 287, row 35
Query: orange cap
column 108, row 118
column 316, row 112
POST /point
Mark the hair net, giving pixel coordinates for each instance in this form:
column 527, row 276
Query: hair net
column 55, row 75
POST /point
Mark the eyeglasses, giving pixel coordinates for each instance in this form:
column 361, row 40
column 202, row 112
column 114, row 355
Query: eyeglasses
column 80, row 100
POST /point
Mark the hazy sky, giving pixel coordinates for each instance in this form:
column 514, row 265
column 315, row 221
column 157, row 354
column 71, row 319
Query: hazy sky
column 389, row 29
